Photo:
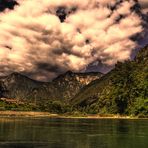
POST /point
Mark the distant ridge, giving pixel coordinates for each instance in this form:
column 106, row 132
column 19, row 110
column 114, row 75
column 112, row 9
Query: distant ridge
column 18, row 86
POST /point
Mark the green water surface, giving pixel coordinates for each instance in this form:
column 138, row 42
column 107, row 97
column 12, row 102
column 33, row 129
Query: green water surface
column 72, row 133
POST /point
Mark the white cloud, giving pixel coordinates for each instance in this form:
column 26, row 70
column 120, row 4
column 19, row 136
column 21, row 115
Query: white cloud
column 35, row 42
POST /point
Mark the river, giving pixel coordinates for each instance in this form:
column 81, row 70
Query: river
column 26, row 132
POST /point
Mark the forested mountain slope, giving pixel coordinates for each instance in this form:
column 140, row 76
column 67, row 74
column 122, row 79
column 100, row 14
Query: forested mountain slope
column 124, row 90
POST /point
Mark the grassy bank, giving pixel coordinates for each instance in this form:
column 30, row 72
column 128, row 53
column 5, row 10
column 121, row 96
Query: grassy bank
column 47, row 114
column 26, row 114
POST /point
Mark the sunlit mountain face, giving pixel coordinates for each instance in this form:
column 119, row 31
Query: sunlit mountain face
column 43, row 39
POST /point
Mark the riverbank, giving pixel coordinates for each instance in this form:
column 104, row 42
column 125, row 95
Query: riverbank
column 26, row 114
column 50, row 115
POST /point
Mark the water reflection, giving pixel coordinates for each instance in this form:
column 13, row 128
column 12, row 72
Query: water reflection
column 72, row 133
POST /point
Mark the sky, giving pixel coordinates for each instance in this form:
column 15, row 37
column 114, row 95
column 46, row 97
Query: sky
column 43, row 39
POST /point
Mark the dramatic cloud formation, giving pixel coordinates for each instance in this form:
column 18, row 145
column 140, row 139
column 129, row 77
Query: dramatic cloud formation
column 42, row 38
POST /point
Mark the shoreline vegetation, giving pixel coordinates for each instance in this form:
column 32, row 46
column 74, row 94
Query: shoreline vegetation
column 66, row 116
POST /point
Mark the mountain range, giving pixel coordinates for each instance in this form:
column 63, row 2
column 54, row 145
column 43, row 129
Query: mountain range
column 124, row 90
column 62, row 88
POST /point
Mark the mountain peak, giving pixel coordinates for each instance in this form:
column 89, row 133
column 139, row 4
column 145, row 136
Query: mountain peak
column 15, row 74
column 68, row 72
